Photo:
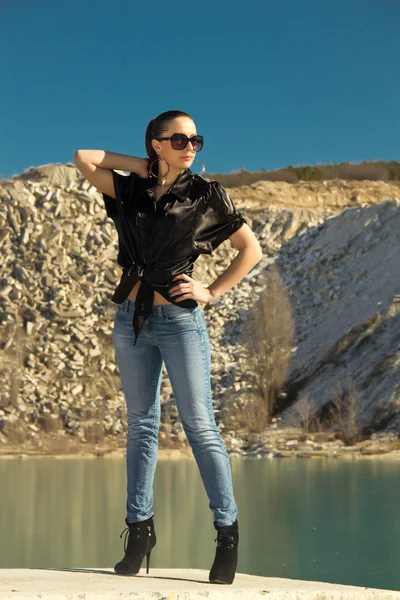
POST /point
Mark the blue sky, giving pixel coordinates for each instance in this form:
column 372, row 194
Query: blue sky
column 268, row 83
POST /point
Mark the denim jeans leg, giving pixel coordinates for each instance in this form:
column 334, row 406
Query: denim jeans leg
column 186, row 353
column 140, row 369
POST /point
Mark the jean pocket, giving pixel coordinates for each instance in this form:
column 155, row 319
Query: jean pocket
column 185, row 315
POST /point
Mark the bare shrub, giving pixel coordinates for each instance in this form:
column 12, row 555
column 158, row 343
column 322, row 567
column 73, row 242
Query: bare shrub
column 361, row 171
column 93, row 431
column 268, row 337
column 244, row 177
column 11, row 369
column 303, row 414
column 365, row 170
column 345, row 413
column 7, row 374
column 49, row 422
column 92, row 422
column 16, row 432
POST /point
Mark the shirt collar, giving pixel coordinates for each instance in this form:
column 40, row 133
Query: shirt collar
column 179, row 188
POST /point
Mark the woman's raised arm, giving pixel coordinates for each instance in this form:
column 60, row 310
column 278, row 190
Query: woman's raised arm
column 96, row 166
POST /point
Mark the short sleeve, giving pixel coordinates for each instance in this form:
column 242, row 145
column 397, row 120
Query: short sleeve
column 124, row 186
column 217, row 219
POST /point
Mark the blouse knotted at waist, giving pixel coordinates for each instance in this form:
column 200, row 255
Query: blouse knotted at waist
column 150, row 282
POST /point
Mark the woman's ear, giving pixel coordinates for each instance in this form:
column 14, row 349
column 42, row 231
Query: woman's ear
column 156, row 147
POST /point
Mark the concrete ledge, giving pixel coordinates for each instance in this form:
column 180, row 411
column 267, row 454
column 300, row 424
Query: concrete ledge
column 169, row 584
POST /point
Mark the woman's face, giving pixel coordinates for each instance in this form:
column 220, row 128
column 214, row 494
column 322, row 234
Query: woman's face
column 176, row 159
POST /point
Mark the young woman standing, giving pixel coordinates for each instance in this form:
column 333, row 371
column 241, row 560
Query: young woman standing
column 166, row 216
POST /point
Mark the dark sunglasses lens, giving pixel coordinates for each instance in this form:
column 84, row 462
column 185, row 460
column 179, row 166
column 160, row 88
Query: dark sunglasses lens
column 198, row 142
column 179, row 142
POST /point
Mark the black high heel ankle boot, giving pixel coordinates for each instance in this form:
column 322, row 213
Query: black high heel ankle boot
column 225, row 561
column 141, row 541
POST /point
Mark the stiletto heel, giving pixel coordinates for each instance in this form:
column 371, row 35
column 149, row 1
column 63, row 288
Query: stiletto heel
column 141, row 540
column 148, row 561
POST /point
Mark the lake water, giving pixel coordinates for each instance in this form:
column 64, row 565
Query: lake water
column 323, row 519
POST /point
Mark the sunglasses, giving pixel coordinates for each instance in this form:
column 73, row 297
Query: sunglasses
column 179, row 141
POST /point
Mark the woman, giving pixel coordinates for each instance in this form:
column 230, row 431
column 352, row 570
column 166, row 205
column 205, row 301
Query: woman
column 166, row 216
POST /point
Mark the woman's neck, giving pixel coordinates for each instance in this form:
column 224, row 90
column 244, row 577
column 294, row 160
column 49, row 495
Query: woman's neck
column 162, row 180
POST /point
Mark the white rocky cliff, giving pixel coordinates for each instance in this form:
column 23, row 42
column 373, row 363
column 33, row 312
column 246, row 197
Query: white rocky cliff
column 336, row 246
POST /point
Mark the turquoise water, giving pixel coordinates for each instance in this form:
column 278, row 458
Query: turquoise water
column 323, row 519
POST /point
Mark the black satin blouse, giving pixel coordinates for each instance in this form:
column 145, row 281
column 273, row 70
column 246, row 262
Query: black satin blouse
column 159, row 239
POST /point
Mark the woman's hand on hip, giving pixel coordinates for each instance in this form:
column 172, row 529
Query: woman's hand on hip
column 188, row 287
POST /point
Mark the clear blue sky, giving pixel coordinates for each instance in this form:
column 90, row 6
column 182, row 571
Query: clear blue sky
column 269, row 83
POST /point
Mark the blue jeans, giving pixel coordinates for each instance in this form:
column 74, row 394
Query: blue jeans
column 179, row 337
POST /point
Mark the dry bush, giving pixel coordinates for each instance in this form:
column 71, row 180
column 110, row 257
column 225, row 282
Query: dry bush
column 362, row 171
column 304, row 414
column 345, row 411
column 8, row 374
column 50, row 422
column 365, row 170
column 11, row 368
column 93, row 431
column 342, row 414
column 268, row 338
column 244, row 177
column 91, row 422
column 16, row 432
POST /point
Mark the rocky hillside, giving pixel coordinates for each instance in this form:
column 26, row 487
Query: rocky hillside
column 336, row 245
column 339, row 263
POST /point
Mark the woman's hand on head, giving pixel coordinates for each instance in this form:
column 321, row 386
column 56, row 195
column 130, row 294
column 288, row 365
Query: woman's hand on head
column 187, row 288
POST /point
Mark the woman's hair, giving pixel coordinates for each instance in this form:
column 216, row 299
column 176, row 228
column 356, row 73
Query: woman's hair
column 156, row 128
